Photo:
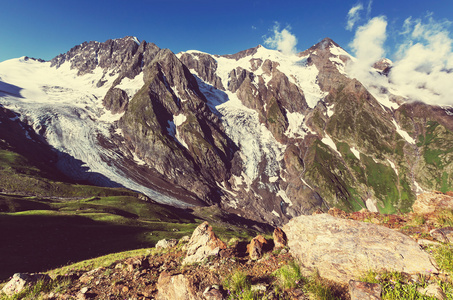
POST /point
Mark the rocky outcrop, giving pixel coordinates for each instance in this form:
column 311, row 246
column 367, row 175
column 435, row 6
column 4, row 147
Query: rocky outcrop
column 344, row 249
column 280, row 239
column 205, row 67
column 116, row 100
column 257, row 246
column 202, row 244
column 432, row 202
column 112, row 54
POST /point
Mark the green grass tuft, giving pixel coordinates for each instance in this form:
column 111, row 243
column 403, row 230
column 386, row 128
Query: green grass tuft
column 289, row 276
column 317, row 288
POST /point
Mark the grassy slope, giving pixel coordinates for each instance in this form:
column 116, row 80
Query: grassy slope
column 45, row 223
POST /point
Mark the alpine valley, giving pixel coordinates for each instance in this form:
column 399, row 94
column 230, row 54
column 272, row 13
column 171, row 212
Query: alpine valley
column 261, row 134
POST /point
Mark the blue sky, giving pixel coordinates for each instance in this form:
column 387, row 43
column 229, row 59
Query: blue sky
column 45, row 28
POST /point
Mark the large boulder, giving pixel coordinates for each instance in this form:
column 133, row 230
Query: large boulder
column 202, row 244
column 343, row 249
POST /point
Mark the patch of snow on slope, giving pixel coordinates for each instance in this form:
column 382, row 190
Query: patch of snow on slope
column 303, row 180
column 273, row 178
column 131, row 86
column 282, row 194
column 371, row 206
column 355, row 152
column 136, row 40
column 296, row 126
column 327, row 140
column 393, row 166
column 172, row 128
column 70, row 109
column 419, row 188
column 138, row 160
column 339, row 63
column 403, row 133
column 330, row 110
column 177, row 121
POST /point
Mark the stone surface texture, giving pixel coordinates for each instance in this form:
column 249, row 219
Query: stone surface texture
column 345, row 249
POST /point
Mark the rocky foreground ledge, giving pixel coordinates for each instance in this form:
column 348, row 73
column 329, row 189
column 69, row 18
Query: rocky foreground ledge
column 337, row 249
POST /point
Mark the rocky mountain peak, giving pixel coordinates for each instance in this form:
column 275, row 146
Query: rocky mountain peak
column 111, row 54
column 244, row 53
column 260, row 133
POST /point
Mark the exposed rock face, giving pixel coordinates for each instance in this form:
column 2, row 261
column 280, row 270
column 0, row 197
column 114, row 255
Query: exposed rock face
column 432, row 202
column 343, row 249
column 203, row 244
column 110, row 54
column 116, row 100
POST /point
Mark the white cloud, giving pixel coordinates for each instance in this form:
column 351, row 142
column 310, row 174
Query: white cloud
column 282, row 40
column 368, row 46
column 423, row 69
column 423, row 63
column 353, row 16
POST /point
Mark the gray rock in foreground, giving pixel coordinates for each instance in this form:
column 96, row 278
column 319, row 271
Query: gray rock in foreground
column 344, row 249
column 19, row 281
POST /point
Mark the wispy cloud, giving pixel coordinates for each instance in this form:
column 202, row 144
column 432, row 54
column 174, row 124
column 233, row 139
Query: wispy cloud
column 353, row 16
column 368, row 9
column 282, row 40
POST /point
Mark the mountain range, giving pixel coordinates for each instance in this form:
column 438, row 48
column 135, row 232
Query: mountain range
column 262, row 134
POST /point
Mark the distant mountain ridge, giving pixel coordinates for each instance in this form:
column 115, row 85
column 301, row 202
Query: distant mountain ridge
column 262, row 134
